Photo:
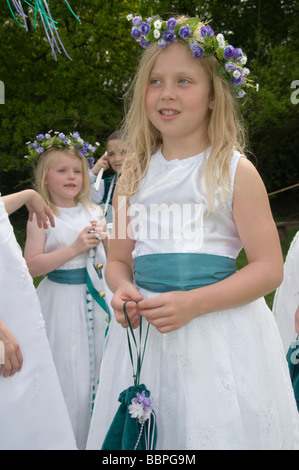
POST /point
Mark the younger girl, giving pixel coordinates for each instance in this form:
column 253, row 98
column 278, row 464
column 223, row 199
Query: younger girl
column 74, row 311
column 214, row 361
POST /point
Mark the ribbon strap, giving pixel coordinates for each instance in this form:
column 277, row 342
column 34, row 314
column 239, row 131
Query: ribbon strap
column 139, row 352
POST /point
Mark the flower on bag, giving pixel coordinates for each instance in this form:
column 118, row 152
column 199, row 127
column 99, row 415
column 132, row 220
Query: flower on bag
column 60, row 140
column 141, row 407
column 202, row 42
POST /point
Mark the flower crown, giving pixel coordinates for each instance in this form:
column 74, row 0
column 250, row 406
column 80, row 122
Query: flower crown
column 73, row 140
column 202, row 42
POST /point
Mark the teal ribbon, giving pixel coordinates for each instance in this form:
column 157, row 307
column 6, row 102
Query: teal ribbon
column 167, row 272
column 68, row 276
column 78, row 276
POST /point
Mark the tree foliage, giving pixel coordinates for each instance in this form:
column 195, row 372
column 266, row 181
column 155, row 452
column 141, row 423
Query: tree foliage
column 86, row 94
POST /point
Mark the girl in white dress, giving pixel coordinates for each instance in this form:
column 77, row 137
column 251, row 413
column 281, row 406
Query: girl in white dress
column 286, row 300
column 33, row 414
column 72, row 295
column 214, row 362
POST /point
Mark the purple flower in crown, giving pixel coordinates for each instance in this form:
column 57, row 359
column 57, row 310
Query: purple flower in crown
column 206, row 31
column 40, row 136
column 76, row 135
column 239, row 54
column 144, row 28
column 229, row 52
column 39, row 149
column 144, row 43
column 162, row 43
column 171, row 23
column 185, row 32
column 91, row 162
column 230, row 66
column 168, row 36
column 137, row 20
column 196, row 50
column 135, row 33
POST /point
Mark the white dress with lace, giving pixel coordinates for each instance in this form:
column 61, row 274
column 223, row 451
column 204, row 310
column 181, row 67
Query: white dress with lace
column 221, row 381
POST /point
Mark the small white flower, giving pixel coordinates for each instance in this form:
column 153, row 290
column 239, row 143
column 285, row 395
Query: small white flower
column 157, row 24
column 157, row 33
column 221, row 40
column 129, row 17
column 236, row 73
column 245, row 71
column 257, row 87
column 243, row 60
column 98, row 144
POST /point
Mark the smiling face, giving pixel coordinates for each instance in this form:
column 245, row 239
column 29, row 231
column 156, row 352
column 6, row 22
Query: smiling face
column 64, row 179
column 178, row 99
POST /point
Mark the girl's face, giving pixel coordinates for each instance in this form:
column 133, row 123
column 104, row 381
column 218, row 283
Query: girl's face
column 64, row 179
column 116, row 153
column 178, row 101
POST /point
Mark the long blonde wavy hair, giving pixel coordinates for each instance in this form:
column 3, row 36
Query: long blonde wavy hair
column 45, row 161
column 225, row 130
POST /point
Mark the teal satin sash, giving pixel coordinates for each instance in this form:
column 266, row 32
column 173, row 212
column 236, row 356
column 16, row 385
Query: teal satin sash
column 68, row 276
column 166, row 272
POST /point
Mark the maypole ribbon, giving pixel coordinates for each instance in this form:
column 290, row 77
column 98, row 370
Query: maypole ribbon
column 51, row 30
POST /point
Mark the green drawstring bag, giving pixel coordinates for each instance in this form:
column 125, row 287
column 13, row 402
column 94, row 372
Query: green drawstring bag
column 293, row 362
column 134, row 426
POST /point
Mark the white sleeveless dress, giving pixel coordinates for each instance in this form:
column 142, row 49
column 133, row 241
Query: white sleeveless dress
column 221, row 381
column 286, row 300
column 33, row 414
column 68, row 317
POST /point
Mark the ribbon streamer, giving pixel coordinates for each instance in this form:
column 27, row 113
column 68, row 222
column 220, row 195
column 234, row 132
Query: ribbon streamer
column 51, row 30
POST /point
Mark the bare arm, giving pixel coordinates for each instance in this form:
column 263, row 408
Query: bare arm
column 34, row 204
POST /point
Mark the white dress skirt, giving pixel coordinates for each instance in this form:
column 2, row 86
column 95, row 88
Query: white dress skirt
column 76, row 325
column 33, row 414
column 286, row 300
column 220, row 382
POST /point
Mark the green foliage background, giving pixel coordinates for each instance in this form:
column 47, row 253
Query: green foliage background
column 86, row 93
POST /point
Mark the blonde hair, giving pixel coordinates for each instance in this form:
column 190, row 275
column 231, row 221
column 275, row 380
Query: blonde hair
column 44, row 163
column 225, row 130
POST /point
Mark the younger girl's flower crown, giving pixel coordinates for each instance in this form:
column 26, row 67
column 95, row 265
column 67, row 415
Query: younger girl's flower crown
column 72, row 141
column 202, row 42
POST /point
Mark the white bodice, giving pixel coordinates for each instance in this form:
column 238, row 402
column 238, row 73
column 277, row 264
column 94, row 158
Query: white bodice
column 68, row 225
column 169, row 212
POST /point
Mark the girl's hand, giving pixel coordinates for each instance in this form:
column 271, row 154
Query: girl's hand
column 37, row 206
column 101, row 231
column 86, row 240
column 126, row 292
column 102, row 162
column 13, row 359
column 168, row 312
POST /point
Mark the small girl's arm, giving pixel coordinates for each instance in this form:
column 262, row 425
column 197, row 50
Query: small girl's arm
column 34, row 204
column 40, row 263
